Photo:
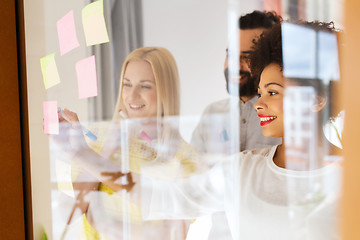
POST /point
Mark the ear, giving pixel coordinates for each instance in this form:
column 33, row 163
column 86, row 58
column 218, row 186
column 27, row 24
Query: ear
column 319, row 104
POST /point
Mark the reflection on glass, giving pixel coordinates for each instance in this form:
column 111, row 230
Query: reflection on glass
column 144, row 180
column 299, row 54
column 301, row 128
column 311, row 66
column 116, row 210
column 314, row 55
column 135, row 177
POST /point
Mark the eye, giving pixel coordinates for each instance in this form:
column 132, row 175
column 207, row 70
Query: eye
column 127, row 85
column 259, row 95
column 146, row 87
column 271, row 93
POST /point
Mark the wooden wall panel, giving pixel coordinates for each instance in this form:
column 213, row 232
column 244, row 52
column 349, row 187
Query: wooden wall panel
column 12, row 224
column 350, row 64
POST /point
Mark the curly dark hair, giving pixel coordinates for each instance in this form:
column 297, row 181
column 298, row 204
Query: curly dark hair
column 259, row 19
column 267, row 48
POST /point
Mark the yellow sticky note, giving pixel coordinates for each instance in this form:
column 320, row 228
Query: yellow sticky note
column 63, row 177
column 49, row 71
column 94, row 23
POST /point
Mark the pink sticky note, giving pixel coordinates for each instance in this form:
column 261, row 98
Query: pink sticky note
column 86, row 76
column 51, row 120
column 67, row 33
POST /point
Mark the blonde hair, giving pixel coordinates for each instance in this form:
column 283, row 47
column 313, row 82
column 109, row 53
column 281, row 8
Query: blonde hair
column 167, row 83
column 166, row 76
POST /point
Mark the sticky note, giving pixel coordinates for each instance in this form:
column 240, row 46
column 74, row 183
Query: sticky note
column 51, row 120
column 63, row 177
column 49, row 71
column 94, row 23
column 67, row 33
column 86, row 77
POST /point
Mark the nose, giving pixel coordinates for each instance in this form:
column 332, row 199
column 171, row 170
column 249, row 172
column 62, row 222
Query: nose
column 131, row 93
column 259, row 104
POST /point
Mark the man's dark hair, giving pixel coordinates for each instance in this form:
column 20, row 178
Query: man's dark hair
column 250, row 21
column 258, row 19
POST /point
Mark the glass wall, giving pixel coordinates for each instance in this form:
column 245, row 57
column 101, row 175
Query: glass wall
column 180, row 120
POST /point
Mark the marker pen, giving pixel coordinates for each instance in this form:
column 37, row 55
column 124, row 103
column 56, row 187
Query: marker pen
column 122, row 114
column 84, row 130
column 142, row 132
column 145, row 136
column 224, row 136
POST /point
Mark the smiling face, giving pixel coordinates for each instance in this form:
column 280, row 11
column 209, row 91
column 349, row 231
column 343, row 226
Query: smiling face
column 139, row 93
column 269, row 106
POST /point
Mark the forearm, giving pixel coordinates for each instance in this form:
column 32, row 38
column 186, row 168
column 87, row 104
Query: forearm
column 186, row 198
column 105, row 171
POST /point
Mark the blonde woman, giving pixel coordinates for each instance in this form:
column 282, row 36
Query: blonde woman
column 150, row 89
column 144, row 131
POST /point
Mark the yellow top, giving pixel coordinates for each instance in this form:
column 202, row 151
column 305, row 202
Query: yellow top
column 140, row 153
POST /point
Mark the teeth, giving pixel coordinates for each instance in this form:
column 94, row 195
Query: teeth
column 264, row 119
column 136, row 106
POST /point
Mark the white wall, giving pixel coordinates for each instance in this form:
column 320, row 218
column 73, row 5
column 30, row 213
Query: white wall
column 41, row 39
column 196, row 33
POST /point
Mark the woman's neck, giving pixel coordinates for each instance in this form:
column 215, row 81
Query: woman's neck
column 279, row 156
column 297, row 163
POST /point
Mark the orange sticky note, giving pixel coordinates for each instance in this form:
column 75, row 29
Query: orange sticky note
column 94, row 23
column 67, row 33
column 86, row 76
column 51, row 120
column 49, row 71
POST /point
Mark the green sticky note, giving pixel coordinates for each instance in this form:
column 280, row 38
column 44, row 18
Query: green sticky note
column 94, row 23
column 44, row 236
column 49, row 71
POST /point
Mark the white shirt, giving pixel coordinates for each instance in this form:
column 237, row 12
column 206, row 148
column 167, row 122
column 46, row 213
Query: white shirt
column 218, row 128
column 260, row 200
column 218, row 132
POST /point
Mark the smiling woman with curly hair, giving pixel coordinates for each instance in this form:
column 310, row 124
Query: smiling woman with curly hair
column 265, row 194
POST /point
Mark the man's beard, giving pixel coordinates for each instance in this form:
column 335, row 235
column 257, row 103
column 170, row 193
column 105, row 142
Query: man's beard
column 248, row 89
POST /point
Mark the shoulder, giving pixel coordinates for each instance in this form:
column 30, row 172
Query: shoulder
column 257, row 154
column 253, row 99
column 249, row 163
column 260, row 151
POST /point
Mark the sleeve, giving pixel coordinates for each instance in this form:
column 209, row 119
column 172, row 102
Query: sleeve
column 187, row 198
column 199, row 136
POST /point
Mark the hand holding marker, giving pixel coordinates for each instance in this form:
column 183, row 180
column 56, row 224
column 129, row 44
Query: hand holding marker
column 142, row 132
column 122, row 114
column 84, row 130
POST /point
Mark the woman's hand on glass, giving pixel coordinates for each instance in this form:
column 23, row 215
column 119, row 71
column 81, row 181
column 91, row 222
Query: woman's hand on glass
column 70, row 138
